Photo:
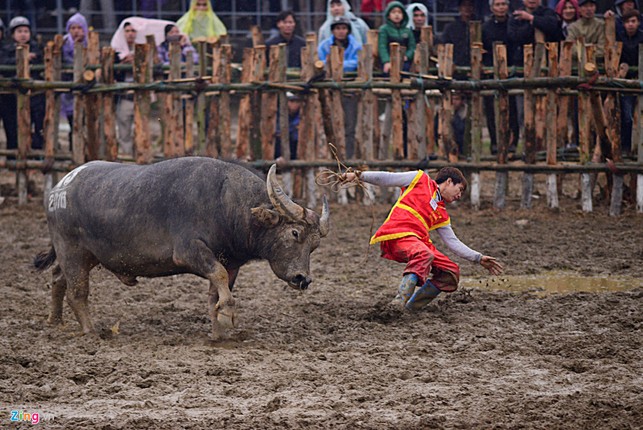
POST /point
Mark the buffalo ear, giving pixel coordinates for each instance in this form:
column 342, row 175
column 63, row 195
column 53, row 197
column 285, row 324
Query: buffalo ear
column 267, row 217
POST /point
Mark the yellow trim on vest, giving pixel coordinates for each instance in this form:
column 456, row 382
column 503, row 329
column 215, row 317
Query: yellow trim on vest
column 415, row 214
column 442, row 224
column 392, row 236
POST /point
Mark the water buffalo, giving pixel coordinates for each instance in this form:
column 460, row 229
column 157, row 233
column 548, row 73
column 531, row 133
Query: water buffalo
column 187, row 215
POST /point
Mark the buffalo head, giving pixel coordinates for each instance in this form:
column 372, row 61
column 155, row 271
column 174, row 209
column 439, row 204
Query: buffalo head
column 291, row 234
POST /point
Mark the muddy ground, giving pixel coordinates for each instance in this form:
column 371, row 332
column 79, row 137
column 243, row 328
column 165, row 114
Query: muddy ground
column 333, row 356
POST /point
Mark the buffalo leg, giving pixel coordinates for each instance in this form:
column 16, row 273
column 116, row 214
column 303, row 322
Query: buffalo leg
column 77, row 275
column 201, row 261
column 232, row 276
column 58, row 288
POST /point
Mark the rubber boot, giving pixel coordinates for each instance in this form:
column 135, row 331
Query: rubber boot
column 423, row 296
column 407, row 287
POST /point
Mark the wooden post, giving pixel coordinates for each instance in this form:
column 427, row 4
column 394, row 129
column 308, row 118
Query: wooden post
column 284, row 120
column 552, row 103
column 584, row 110
column 24, row 123
column 224, row 106
column 426, row 36
column 189, row 109
column 445, row 70
column 200, row 99
column 531, row 70
column 417, row 111
column 259, row 65
column 564, row 102
column 476, row 123
column 53, row 62
column 213, row 142
column 638, row 133
column 245, row 113
column 78, row 136
column 306, row 148
column 397, row 131
column 171, row 115
column 109, row 112
column 501, row 108
column 93, row 102
column 143, row 150
column 269, row 108
column 368, row 101
column 335, row 68
column 257, row 37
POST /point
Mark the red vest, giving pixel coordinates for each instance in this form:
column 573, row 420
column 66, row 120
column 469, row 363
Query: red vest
column 415, row 213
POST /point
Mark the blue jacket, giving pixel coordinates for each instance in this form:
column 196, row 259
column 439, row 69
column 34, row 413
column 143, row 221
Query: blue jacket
column 350, row 52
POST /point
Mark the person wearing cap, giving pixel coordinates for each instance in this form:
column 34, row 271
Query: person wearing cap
column 77, row 32
column 20, row 30
column 589, row 27
column 341, row 8
column 342, row 37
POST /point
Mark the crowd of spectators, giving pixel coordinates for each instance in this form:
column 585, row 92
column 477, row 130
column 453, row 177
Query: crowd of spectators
column 511, row 22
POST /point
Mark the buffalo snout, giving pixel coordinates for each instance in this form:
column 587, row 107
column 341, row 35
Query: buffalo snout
column 301, row 281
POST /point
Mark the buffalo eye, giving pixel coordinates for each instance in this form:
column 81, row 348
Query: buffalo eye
column 295, row 233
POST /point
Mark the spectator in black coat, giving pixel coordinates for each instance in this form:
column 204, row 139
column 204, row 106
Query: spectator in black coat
column 457, row 33
column 286, row 23
column 524, row 22
column 495, row 30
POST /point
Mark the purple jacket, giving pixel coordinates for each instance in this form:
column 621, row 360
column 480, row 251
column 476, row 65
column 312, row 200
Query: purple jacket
column 67, row 100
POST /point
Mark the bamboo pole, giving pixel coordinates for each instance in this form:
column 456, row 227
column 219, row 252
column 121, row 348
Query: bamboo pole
column 109, row 112
column 142, row 147
column 501, row 108
column 269, row 108
column 189, row 109
column 552, row 123
column 78, row 136
column 24, row 123
column 476, row 124
column 245, row 113
column 224, row 106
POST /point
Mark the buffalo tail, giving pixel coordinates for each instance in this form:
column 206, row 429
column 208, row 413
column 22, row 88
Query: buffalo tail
column 44, row 259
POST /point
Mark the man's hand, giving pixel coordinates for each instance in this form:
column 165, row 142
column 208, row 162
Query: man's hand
column 348, row 177
column 523, row 15
column 491, row 264
column 386, row 68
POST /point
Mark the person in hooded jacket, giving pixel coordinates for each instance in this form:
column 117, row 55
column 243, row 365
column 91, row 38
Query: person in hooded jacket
column 341, row 8
column 395, row 31
column 621, row 7
column 631, row 37
column 200, row 23
column 419, row 17
column 77, row 32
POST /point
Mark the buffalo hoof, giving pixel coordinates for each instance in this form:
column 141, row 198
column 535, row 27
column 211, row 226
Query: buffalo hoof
column 55, row 321
column 226, row 317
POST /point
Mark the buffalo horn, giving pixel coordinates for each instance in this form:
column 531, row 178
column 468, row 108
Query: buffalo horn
column 324, row 221
column 280, row 200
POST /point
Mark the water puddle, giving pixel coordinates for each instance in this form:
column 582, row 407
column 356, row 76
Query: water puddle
column 553, row 282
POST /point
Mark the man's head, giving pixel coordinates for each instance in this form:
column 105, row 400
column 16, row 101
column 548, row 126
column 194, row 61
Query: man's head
column 341, row 28
column 130, row 33
column 587, row 8
column 499, row 8
column 396, row 15
column 631, row 21
column 452, row 183
column 625, row 5
column 419, row 18
column 294, row 103
column 457, row 101
column 286, row 23
column 531, row 5
column 337, row 8
column 465, row 9
column 20, row 29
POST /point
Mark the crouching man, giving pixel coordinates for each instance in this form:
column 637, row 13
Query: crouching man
column 405, row 235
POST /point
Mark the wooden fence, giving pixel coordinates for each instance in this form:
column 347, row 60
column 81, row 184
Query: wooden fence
column 188, row 92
